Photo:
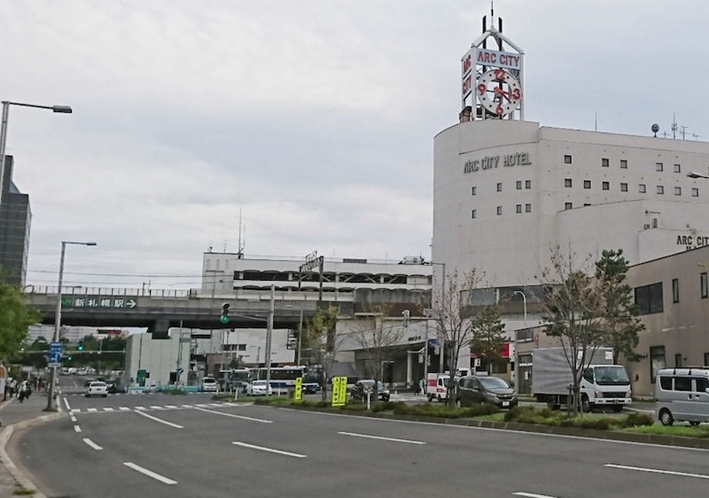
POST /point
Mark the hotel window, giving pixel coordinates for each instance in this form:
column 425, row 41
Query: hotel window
column 660, row 189
column 568, row 205
column 567, row 182
column 499, row 187
column 624, row 164
column 605, row 162
column 606, row 186
column 528, row 184
column 703, row 285
column 499, row 210
column 675, row 290
column 677, row 168
column 658, row 167
column 527, row 208
column 587, row 184
column 518, row 208
column 474, row 214
column 519, row 184
column 567, row 159
column 642, row 189
column 695, row 192
column 475, row 190
column 623, row 187
column 648, row 299
column 678, row 190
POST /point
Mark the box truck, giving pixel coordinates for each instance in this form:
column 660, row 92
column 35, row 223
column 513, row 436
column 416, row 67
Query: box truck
column 602, row 384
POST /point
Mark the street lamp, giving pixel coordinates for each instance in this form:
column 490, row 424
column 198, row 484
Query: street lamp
column 694, row 174
column 524, row 300
column 58, row 318
column 63, row 109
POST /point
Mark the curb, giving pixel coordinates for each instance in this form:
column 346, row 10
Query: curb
column 609, row 435
column 12, row 469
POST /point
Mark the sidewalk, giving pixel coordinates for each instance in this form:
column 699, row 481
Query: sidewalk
column 13, row 416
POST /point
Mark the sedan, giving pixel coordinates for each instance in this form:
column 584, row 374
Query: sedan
column 364, row 387
column 259, row 388
column 97, row 388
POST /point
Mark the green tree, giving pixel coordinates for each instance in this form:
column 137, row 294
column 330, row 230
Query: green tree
column 622, row 324
column 15, row 318
column 320, row 340
column 488, row 334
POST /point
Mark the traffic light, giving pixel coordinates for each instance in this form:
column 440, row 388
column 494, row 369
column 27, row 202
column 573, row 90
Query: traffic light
column 225, row 313
column 81, row 346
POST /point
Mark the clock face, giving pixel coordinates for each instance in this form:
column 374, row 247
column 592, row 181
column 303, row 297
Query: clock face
column 499, row 92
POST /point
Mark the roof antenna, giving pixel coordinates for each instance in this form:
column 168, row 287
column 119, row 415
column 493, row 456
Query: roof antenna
column 239, row 247
column 674, row 126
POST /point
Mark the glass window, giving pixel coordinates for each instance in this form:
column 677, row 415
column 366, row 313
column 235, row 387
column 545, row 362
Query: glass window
column 587, row 184
column 660, row 189
column 701, row 384
column 677, row 168
column 666, row 383
column 518, row 208
column 658, row 166
column 567, row 159
column 527, row 208
column 499, row 187
column 641, row 188
column 528, row 184
column 623, row 187
column 675, row 290
column 518, row 184
column 605, row 162
column 474, row 213
column 499, row 210
column 606, row 186
column 657, row 361
column 695, row 192
column 568, row 205
column 475, row 190
column 567, row 182
column 703, row 285
column 683, row 384
column 678, row 190
column 624, row 163
column 648, row 299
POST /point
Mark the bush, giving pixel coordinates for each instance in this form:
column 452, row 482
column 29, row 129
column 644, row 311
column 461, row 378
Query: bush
column 602, row 424
column 638, row 419
column 480, row 410
column 385, row 406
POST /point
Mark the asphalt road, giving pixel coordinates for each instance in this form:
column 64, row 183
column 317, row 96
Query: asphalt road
column 185, row 446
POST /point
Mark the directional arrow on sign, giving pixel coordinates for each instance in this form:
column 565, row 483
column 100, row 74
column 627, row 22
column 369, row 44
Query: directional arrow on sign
column 131, row 303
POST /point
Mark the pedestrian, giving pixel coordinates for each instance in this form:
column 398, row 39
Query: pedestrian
column 22, row 394
column 422, row 386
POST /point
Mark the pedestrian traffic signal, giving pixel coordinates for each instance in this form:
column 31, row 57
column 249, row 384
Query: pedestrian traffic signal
column 225, row 313
column 81, row 346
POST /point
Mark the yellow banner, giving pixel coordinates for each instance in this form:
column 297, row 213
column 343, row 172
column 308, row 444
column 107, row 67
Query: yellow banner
column 298, row 395
column 339, row 391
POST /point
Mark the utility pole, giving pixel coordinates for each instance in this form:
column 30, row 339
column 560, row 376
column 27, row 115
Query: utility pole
column 269, row 333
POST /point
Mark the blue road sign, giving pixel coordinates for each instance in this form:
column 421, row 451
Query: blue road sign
column 180, row 371
column 55, row 352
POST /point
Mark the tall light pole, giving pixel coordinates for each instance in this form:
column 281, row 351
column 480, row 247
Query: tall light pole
column 58, row 318
column 524, row 304
column 64, row 109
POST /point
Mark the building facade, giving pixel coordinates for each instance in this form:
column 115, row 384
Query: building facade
column 15, row 221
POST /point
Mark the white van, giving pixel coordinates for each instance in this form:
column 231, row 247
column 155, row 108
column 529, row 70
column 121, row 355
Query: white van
column 209, row 385
column 682, row 394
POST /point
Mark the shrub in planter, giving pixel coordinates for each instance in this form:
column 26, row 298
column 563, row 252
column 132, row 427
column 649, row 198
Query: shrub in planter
column 480, row 410
column 637, row 419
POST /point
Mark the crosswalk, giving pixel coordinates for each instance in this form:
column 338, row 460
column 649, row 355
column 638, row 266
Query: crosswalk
column 109, row 409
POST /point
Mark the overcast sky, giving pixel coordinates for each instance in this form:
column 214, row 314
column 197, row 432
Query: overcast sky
column 314, row 119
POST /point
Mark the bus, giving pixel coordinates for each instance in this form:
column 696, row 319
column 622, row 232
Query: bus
column 234, row 378
column 282, row 378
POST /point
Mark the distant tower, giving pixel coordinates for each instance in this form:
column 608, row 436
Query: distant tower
column 493, row 80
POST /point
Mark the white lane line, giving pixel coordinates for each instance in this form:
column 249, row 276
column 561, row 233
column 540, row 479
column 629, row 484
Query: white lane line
column 108, row 409
column 92, row 444
column 67, row 404
column 160, row 420
column 531, row 495
column 263, row 421
column 216, row 404
column 156, row 407
column 76, row 410
column 77, row 428
column 171, row 407
column 187, row 406
column 270, row 450
column 202, row 405
column 124, row 408
column 149, row 473
column 92, row 410
column 367, row 436
column 657, row 471
column 140, row 408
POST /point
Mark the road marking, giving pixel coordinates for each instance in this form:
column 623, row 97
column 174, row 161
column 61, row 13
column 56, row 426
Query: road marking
column 408, row 441
column 140, row 408
column 216, row 404
column 160, row 420
column 531, row 495
column 92, row 444
column 124, row 408
column 263, row 421
column 156, row 407
column 187, row 406
column 92, row 410
column 202, row 405
column 657, row 471
column 72, row 417
column 67, row 404
column 77, row 428
column 108, row 409
column 172, row 407
column 270, row 450
column 149, row 473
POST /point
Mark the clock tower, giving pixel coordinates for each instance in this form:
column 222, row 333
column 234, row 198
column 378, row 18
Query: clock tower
column 492, row 76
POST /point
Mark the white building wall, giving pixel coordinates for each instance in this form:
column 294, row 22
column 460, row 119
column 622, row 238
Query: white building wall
column 159, row 357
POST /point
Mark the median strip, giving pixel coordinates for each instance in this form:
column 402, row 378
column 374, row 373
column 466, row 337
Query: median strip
column 159, row 420
column 270, row 450
column 393, row 439
column 657, row 471
column 149, row 473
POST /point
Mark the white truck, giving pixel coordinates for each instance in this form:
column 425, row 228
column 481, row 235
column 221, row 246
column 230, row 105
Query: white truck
column 603, row 383
column 437, row 384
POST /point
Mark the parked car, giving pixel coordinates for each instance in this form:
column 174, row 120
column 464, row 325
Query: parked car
column 209, row 385
column 478, row 389
column 311, row 387
column 97, row 388
column 114, row 386
column 362, row 387
column 259, row 388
